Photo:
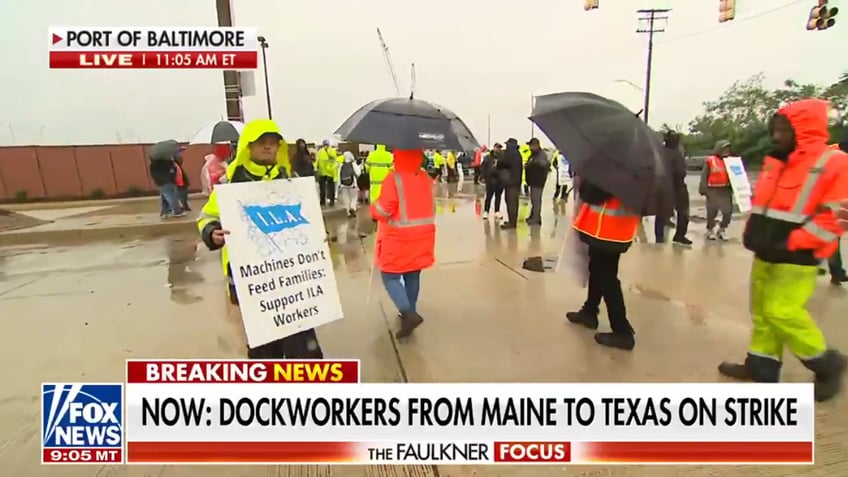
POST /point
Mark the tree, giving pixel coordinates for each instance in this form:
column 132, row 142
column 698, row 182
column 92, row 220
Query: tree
column 741, row 114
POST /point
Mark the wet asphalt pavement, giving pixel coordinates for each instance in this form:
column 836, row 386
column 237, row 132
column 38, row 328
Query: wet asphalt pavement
column 74, row 312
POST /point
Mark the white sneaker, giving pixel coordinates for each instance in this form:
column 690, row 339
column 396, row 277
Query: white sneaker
column 722, row 235
column 485, row 216
column 711, row 235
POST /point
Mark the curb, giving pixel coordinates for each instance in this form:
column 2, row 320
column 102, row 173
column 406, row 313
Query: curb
column 122, row 232
column 76, row 204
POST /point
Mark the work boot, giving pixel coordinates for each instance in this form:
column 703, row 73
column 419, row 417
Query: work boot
column 838, row 279
column 682, row 241
column 583, row 317
column 408, row 322
column 485, row 216
column 722, row 235
column 625, row 341
column 711, row 235
column 829, row 369
column 508, row 226
column 755, row 368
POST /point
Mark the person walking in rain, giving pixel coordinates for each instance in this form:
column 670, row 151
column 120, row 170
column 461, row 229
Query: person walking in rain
column 302, row 160
column 536, row 174
column 406, row 235
column 491, row 177
column 715, row 186
column 792, row 227
column 348, row 174
column 378, row 164
column 562, row 169
column 262, row 155
column 675, row 166
column 328, row 163
column 511, row 169
column 608, row 228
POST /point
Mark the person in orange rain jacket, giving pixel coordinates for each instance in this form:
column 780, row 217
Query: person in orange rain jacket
column 406, row 235
column 792, row 227
column 607, row 227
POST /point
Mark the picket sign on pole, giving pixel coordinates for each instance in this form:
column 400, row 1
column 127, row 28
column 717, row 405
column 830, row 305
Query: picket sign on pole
column 739, row 182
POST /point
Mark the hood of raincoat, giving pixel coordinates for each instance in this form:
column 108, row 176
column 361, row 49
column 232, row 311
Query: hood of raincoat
column 408, row 160
column 348, row 156
column 381, row 147
column 809, row 118
column 253, row 131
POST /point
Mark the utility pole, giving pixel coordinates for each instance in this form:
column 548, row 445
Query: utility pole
column 651, row 21
column 532, row 124
column 489, row 130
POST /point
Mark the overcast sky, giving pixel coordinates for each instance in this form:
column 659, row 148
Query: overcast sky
column 478, row 58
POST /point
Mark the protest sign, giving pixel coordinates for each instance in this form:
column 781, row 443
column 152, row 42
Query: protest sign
column 739, row 183
column 279, row 258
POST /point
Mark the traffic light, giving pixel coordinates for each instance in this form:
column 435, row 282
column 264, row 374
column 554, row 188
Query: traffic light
column 822, row 17
column 726, row 10
column 590, row 5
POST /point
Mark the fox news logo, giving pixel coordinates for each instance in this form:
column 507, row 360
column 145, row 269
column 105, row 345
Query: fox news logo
column 85, row 417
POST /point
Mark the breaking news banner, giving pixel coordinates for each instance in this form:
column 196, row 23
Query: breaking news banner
column 224, row 48
column 317, row 412
column 81, row 423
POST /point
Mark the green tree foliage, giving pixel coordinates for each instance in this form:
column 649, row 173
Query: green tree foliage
column 740, row 115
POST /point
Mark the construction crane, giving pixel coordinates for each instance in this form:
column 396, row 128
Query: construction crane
column 389, row 64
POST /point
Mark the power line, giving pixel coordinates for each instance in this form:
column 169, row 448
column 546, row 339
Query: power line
column 734, row 22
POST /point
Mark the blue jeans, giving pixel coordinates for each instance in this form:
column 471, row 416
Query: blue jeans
column 170, row 200
column 403, row 289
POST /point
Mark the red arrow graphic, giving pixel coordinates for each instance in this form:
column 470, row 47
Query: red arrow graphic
column 56, row 38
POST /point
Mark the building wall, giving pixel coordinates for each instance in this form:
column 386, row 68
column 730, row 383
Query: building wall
column 86, row 172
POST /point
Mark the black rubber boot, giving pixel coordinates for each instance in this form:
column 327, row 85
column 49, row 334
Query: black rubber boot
column 755, row 368
column 625, row 341
column 408, row 322
column 829, row 369
column 583, row 317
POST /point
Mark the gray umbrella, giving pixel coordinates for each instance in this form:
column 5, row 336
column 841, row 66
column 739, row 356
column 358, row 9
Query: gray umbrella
column 164, row 150
column 608, row 145
column 406, row 123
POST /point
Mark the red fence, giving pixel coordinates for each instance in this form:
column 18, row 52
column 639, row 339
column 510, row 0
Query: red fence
column 86, row 172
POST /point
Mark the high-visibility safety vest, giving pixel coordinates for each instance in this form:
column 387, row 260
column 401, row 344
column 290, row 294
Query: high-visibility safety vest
column 525, row 156
column 406, row 237
column 379, row 163
column 790, row 193
column 609, row 225
column 328, row 161
column 717, row 176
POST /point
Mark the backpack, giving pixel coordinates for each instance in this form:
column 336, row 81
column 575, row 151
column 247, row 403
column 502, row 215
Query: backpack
column 346, row 174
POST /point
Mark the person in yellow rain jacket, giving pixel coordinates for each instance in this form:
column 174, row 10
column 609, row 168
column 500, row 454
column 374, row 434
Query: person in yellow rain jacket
column 451, row 161
column 328, row 165
column 378, row 164
column 438, row 164
column 262, row 155
column 525, row 156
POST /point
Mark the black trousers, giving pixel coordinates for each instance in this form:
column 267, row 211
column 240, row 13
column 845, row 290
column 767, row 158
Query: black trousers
column 604, row 283
column 511, row 199
column 303, row 345
column 327, row 189
column 493, row 191
column 682, row 227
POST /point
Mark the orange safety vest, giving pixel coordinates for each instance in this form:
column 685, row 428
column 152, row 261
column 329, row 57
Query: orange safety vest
column 178, row 177
column 610, row 222
column 790, row 194
column 718, row 176
column 406, row 237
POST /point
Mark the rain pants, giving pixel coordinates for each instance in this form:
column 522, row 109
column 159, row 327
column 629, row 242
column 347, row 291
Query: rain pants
column 790, row 229
column 243, row 169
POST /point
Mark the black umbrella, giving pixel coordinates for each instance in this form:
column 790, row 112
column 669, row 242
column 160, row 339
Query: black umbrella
column 406, row 123
column 218, row 132
column 609, row 146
